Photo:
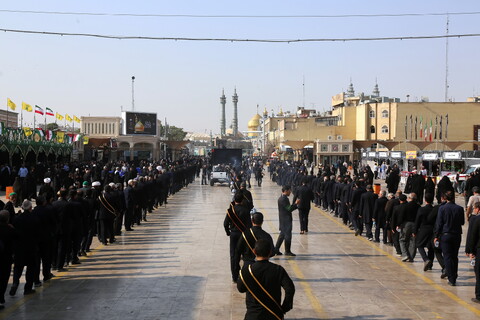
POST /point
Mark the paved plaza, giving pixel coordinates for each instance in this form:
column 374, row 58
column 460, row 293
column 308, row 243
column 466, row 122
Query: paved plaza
column 176, row 266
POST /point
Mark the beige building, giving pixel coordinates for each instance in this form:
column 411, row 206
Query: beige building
column 107, row 141
column 11, row 116
column 360, row 123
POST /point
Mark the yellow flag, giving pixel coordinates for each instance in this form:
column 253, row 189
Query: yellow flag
column 69, row 119
column 28, row 131
column 59, row 116
column 76, row 119
column 27, row 107
column 85, row 140
column 60, row 136
column 11, row 105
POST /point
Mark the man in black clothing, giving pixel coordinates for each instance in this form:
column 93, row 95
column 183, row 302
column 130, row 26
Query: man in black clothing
column 237, row 220
column 424, row 231
column 64, row 227
column 448, row 229
column 305, row 195
column 355, row 207
column 262, row 281
column 367, row 205
column 379, row 216
column 285, row 220
column 394, row 222
column 47, row 228
column 472, row 248
column 247, row 241
column 25, row 248
column 7, row 237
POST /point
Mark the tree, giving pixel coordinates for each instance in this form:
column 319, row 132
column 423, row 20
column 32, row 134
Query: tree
column 173, row 133
column 52, row 126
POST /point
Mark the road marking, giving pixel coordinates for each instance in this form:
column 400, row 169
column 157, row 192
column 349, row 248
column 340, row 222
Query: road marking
column 316, row 305
column 429, row 281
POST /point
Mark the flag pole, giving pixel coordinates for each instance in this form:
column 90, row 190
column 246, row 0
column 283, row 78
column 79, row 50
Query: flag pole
column 34, row 118
column 7, row 115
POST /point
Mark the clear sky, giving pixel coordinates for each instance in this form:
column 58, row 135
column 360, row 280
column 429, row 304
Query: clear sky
column 182, row 81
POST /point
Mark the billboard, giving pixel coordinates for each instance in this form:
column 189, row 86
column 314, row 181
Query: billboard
column 140, row 123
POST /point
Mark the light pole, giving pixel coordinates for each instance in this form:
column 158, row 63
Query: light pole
column 133, row 93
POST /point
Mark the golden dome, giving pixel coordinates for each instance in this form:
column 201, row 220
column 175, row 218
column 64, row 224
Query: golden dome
column 253, row 125
column 254, row 122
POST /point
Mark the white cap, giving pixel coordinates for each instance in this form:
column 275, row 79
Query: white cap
column 111, row 184
column 96, row 184
column 159, row 168
column 47, row 180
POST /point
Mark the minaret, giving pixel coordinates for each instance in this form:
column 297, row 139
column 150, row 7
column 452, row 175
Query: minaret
column 235, row 118
column 223, row 101
column 350, row 91
column 376, row 91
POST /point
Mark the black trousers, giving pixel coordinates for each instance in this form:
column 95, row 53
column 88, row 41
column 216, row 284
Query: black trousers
column 234, row 237
column 129, row 218
column 450, row 243
column 5, row 270
column 64, row 245
column 477, row 274
column 44, row 259
column 377, row 233
column 28, row 260
column 303, row 217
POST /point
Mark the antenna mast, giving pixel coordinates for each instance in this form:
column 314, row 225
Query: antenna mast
column 446, row 62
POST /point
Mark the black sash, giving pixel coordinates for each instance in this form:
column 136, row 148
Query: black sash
column 235, row 218
column 250, row 239
column 107, row 205
column 259, row 293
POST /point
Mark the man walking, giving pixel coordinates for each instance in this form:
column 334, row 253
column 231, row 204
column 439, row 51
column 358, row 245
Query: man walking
column 448, row 229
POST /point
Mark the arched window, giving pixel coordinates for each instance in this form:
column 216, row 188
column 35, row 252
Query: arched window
column 371, row 114
column 372, row 129
column 96, row 129
column 385, row 129
column 385, row 114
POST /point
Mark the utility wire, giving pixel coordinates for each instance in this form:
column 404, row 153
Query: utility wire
column 240, row 16
column 465, row 35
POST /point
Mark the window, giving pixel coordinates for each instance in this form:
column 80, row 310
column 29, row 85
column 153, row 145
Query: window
column 324, row 147
column 103, row 128
column 96, row 129
column 385, row 129
column 334, row 147
column 371, row 114
column 385, row 114
column 345, row 148
column 372, row 129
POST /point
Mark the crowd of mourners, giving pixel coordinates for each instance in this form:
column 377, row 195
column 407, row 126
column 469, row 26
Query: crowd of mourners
column 75, row 202
column 423, row 217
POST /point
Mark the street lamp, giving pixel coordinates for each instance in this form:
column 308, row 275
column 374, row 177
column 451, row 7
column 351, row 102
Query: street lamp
column 133, row 93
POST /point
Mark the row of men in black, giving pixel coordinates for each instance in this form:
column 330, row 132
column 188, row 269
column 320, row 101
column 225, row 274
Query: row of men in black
column 259, row 278
column 58, row 231
column 405, row 224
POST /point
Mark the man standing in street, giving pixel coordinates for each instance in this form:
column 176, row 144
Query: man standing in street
column 305, row 195
column 406, row 225
column 448, row 229
column 262, row 281
column 285, row 218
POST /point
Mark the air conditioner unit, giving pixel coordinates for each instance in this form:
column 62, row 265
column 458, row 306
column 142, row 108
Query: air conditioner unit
column 329, row 138
column 339, row 137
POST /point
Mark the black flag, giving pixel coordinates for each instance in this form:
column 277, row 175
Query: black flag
column 406, row 126
column 446, row 127
column 441, row 124
column 416, row 137
column 436, row 126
